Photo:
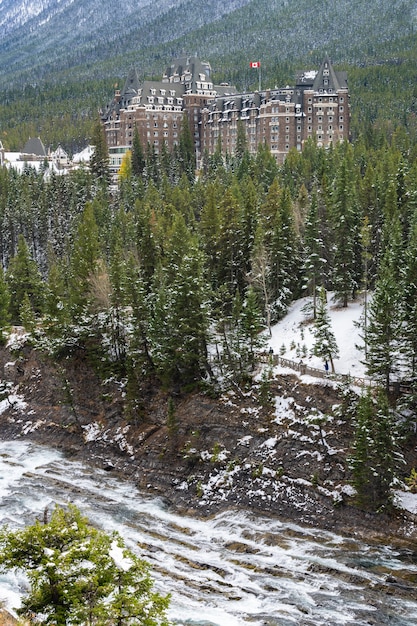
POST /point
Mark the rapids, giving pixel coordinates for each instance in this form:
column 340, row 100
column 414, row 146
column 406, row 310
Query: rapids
column 233, row 569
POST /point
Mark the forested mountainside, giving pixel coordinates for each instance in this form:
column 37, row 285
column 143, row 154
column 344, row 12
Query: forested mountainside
column 71, row 34
column 59, row 65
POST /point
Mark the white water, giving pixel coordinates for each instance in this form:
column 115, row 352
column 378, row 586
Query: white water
column 232, row 570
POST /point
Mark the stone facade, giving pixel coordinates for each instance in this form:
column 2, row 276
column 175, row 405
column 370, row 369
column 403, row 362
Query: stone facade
column 317, row 106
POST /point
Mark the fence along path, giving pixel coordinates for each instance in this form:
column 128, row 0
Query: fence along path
column 301, row 367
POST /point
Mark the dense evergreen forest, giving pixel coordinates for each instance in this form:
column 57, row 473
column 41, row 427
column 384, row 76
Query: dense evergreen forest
column 149, row 275
column 168, row 279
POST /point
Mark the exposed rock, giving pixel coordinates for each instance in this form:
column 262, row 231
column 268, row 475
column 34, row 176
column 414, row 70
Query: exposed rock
column 288, row 459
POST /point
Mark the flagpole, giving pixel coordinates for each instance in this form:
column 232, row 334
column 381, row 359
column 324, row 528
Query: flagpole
column 257, row 64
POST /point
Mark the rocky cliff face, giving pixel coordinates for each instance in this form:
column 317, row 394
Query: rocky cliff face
column 286, row 455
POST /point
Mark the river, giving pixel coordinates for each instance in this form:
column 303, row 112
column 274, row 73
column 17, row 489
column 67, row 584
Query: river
column 234, row 569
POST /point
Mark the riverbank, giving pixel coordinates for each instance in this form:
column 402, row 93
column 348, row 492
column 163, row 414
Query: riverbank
column 284, row 453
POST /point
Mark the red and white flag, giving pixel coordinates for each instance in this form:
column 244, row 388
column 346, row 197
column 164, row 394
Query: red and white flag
column 255, row 64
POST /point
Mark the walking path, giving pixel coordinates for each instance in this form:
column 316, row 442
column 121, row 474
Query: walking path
column 314, row 371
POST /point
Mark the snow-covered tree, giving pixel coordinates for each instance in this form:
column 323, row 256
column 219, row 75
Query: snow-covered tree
column 314, row 261
column 376, row 455
column 384, row 329
column 80, row 575
column 325, row 345
column 23, row 277
column 4, row 306
column 346, row 226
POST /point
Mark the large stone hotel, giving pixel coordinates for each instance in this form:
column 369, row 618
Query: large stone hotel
column 283, row 118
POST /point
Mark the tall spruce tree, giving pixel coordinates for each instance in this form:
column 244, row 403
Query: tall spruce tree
column 346, row 227
column 138, row 156
column 179, row 325
column 284, row 254
column 99, row 161
column 325, row 345
column 409, row 326
column 84, row 261
column 376, row 455
column 314, row 261
column 4, row 307
column 384, row 330
column 23, row 277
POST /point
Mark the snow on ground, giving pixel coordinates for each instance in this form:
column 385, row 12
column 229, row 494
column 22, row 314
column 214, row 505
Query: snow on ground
column 295, row 333
column 406, row 500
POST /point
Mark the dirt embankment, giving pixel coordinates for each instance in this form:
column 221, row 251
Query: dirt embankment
column 286, row 457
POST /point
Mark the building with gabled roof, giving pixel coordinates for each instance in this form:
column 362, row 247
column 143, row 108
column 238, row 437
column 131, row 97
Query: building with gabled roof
column 34, row 148
column 283, row 118
column 156, row 108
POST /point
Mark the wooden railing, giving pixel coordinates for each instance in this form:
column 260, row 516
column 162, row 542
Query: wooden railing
column 301, row 367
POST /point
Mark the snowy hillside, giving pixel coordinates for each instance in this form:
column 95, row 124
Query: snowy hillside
column 292, row 338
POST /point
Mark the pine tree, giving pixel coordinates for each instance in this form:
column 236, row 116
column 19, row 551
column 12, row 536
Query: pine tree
column 259, row 275
column 23, row 277
column 179, row 327
column 251, row 325
column 80, row 575
column 376, row 456
column 26, row 314
column 186, row 150
column 346, row 269
column 409, row 326
column 84, row 261
column 325, row 345
column 284, row 255
column 242, row 338
column 4, row 307
column 385, row 314
column 314, row 261
column 99, row 162
column 138, row 157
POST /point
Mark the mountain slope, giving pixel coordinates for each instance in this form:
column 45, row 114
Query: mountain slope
column 41, row 38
